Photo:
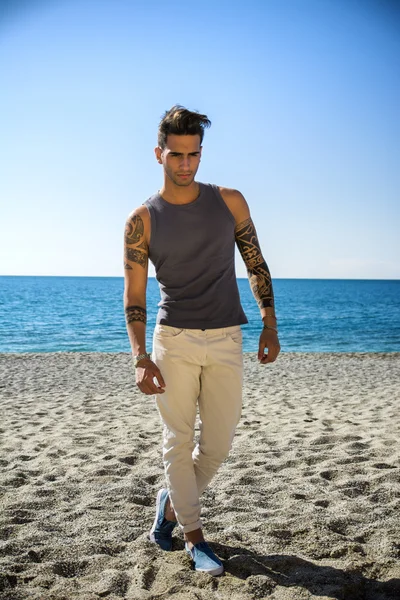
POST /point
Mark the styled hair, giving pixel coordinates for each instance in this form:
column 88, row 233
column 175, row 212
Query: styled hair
column 178, row 120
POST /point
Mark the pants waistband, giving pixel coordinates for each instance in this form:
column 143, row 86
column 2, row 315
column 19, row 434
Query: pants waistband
column 209, row 332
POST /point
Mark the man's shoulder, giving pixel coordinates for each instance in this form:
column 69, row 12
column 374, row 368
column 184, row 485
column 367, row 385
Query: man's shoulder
column 236, row 202
column 139, row 211
column 142, row 209
column 228, row 191
column 232, row 196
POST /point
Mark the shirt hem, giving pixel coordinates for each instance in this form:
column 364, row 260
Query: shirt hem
column 203, row 324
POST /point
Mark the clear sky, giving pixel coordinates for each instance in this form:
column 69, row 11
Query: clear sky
column 303, row 96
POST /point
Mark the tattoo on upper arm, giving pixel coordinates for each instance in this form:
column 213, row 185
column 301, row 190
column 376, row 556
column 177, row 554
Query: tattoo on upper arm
column 134, row 230
column 257, row 268
column 134, row 236
column 136, row 256
column 135, row 313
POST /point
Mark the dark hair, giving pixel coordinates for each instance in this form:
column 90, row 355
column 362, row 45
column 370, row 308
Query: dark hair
column 178, row 120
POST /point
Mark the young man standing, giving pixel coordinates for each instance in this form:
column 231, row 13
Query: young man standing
column 188, row 230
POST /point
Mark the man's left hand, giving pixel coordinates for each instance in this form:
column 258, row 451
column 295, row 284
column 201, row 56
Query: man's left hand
column 269, row 340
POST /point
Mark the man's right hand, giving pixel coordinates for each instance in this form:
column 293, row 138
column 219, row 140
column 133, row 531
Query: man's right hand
column 146, row 371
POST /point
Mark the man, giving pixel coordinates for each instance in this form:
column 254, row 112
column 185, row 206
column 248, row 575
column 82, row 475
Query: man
column 188, row 230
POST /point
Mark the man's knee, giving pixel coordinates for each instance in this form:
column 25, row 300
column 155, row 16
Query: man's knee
column 215, row 453
column 175, row 446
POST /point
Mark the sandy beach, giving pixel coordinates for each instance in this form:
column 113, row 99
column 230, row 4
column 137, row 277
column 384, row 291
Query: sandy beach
column 306, row 506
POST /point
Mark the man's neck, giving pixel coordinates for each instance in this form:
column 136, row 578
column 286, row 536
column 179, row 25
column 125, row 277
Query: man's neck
column 176, row 194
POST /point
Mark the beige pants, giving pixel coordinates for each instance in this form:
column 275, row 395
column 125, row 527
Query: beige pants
column 204, row 368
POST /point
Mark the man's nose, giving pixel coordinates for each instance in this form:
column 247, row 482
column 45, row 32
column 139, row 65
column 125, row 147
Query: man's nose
column 185, row 162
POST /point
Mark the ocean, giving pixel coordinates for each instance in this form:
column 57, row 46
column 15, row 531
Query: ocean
column 85, row 314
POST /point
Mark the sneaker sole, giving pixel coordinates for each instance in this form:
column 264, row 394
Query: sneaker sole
column 214, row 572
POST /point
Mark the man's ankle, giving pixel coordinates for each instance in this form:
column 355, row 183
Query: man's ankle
column 194, row 537
column 169, row 512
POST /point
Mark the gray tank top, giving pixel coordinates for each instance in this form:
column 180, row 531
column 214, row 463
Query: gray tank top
column 192, row 247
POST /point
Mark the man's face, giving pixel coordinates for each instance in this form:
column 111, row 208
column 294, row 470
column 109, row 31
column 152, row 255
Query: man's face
column 180, row 158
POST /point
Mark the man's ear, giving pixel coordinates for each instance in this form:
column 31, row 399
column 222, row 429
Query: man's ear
column 157, row 152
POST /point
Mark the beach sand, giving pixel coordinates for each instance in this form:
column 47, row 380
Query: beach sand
column 306, row 506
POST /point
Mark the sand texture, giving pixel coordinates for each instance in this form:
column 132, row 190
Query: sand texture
column 306, row 506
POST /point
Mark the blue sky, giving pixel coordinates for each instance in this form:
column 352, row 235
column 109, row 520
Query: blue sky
column 303, row 97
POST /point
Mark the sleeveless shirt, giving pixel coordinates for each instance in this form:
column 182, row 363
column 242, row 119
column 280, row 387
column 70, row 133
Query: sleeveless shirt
column 192, row 247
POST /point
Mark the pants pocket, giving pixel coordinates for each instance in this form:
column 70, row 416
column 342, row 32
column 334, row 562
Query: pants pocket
column 166, row 331
column 236, row 336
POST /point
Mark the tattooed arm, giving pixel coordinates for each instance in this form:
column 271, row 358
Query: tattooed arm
column 135, row 272
column 257, row 270
column 136, row 259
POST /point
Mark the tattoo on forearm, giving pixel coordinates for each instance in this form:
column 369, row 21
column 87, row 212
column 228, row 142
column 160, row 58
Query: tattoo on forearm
column 257, row 268
column 134, row 236
column 135, row 313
